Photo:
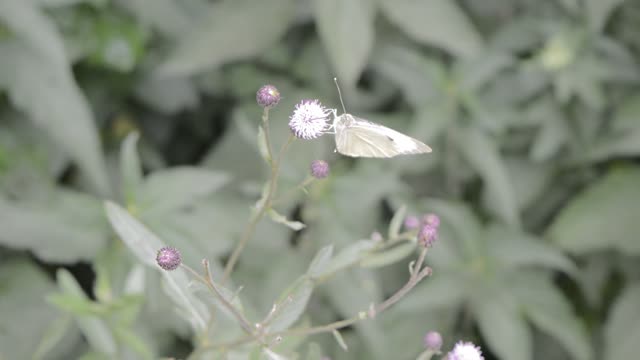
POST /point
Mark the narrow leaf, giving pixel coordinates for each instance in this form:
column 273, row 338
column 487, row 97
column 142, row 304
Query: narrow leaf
column 131, row 168
column 348, row 50
column 281, row 219
column 320, row 261
column 291, row 304
column 340, row 340
column 396, row 222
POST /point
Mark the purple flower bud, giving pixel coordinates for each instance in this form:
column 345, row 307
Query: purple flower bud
column 433, row 340
column 268, row 96
column 428, row 235
column 465, row 351
column 168, row 258
column 431, row 219
column 319, row 169
column 309, row 119
column 411, row 222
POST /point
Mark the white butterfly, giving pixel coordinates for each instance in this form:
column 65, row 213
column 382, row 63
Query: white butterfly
column 361, row 138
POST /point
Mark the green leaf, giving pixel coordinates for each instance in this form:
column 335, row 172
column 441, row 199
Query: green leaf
column 133, row 341
column 144, row 245
column 70, row 226
column 131, row 168
column 320, row 261
column 28, row 322
column 502, row 325
column 54, row 334
column 77, row 305
column 388, row 256
column 177, row 187
column 551, row 312
column 349, row 256
column 281, row 219
column 93, row 328
column 37, row 75
column 513, row 249
column 291, row 305
column 435, row 22
column 346, row 30
column 483, row 156
column 396, row 222
column 598, row 12
column 314, row 352
column 602, row 216
column 251, row 26
column 272, row 355
column 442, row 290
column 622, row 330
column 340, row 340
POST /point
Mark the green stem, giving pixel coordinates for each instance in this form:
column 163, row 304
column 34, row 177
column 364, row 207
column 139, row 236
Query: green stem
column 256, row 216
column 417, row 274
column 293, row 190
column 244, row 323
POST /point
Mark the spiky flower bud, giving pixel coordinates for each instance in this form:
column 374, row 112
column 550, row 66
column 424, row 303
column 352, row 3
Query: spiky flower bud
column 433, row 340
column 428, row 235
column 268, row 96
column 319, row 169
column 431, row 219
column 168, row 258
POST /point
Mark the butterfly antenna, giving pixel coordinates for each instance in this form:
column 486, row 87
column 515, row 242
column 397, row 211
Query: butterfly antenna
column 335, row 79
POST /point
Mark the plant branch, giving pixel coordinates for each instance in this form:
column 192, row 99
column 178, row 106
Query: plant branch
column 265, row 205
column 417, row 274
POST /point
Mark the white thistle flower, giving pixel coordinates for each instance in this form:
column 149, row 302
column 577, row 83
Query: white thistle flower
column 309, row 119
column 465, row 351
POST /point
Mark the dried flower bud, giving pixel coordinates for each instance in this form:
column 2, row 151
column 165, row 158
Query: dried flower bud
column 268, row 96
column 309, row 119
column 428, row 235
column 319, row 169
column 431, row 219
column 411, row 222
column 168, row 258
column 433, row 340
column 465, row 351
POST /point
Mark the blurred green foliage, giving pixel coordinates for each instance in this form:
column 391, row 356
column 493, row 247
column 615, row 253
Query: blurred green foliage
column 532, row 109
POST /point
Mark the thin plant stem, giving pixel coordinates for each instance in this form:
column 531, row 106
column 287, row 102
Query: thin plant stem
column 417, row 274
column 244, row 323
column 256, row 216
column 293, row 190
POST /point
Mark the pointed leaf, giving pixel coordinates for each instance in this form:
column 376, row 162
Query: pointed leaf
column 291, row 304
column 177, row 187
column 144, row 245
column 281, row 219
column 320, row 261
column 552, row 313
column 602, row 216
column 396, row 222
column 340, row 340
column 348, row 50
column 483, row 156
column 502, row 325
column 435, row 22
column 251, row 26
column 131, row 168
column 388, row 256
column 622, row 330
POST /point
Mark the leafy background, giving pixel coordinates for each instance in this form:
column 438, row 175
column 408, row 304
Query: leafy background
column 532, row 109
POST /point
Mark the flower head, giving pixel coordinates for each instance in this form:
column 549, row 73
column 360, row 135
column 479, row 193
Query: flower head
column 309, row 119
column 268, row 96
column 411, row 222
column 465, row 351
column 433, row 340
column 319, row 169
column 431, row 219
column 168, row 258
column 428, row 235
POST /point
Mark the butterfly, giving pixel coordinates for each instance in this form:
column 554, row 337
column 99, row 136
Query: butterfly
column 357, row 137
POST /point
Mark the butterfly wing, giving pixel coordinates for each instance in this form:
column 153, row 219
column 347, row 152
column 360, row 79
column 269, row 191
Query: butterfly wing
column 360, row 138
